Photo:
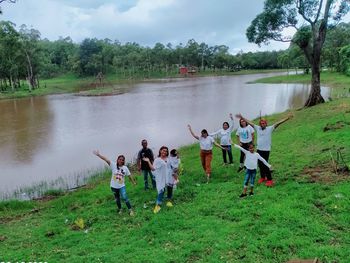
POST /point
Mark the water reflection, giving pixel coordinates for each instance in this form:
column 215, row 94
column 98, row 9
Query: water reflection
column 24, row 129
column 42, row 139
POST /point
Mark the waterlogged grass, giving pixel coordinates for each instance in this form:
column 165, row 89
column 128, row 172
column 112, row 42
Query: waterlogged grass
column 339, row 82
column 301, row 217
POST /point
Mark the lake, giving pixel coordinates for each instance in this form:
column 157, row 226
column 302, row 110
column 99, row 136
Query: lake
column 50, row 139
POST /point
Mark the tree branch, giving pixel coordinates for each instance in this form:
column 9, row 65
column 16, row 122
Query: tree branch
column 319, row 11
column 300, row 11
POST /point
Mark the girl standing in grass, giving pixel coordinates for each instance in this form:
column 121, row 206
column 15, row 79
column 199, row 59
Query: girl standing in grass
column 251, row 163
column 206, row 143
column 245, row 137
column 225, row 139
column 161, row 170
column 119, row 171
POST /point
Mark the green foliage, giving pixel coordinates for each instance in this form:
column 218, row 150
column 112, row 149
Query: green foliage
column 345, row 59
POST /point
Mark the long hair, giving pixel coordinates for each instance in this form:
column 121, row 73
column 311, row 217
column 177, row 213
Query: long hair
column 162, row 148
column 120, row 156
column 240, row 124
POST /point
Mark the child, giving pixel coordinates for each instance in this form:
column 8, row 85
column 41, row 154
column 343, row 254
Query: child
column 174, row 162
column 119, row 171
column 251, row 163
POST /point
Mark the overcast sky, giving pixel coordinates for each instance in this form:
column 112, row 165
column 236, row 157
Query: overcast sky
column 146, row 22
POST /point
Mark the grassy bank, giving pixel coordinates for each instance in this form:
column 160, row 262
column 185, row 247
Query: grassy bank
column 112, row 84
column 339, row 82
column 306, row 215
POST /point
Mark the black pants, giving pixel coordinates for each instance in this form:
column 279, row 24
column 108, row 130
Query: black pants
column 244, row 146
column 264, row 170
column 229, row 153
column 169, row 192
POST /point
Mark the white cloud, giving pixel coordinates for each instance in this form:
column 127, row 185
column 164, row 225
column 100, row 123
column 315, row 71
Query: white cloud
column 142, row 21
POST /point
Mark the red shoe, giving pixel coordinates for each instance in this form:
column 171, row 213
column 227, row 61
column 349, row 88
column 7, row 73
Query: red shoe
column 269, row 183
column 261, row 180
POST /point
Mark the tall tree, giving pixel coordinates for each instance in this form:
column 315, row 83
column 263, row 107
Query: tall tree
column 311, row 19
column 2, row 1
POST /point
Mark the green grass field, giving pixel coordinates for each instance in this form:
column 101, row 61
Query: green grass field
column 306, row 215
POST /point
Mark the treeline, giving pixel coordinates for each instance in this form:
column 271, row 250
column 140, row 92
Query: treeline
column 25, row 57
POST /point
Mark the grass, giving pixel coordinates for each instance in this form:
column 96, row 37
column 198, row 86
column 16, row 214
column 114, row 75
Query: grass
column 301, row 217
column 339, row 82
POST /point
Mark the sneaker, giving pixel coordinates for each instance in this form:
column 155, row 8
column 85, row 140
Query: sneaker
column 156, row 209
column 169, row 204
column 269, row 183
column 119, row 211
column 242, row 195
column 240, row 169
column 261, row 180
column 251, row 193
column 131, row 213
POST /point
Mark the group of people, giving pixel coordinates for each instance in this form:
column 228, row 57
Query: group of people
column 249, row 159
column 163, row 170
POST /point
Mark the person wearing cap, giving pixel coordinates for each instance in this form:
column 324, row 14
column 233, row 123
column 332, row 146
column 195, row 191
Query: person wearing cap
column 264, row 134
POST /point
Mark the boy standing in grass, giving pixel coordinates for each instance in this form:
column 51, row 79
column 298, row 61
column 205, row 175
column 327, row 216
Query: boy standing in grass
column 251, row 164
column 119, row 171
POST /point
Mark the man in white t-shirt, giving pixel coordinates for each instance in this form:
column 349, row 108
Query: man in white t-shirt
column 264, row 134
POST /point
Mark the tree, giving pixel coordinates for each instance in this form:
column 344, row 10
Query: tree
column 311, row 19
column 31, row 50
column 10, row 1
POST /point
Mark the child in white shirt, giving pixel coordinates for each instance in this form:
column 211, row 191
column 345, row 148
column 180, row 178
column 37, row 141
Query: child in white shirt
column 174, row 162
column 251, row 163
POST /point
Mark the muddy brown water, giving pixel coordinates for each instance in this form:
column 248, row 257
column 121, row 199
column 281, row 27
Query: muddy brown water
column 51, row 138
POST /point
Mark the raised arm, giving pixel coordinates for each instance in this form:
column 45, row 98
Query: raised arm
column 97, row 153
column 239, row 116
column 231, row 122
column 283, row 120
column 192, row 133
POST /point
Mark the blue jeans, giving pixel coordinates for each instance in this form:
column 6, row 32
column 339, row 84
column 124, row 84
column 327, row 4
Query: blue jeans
column 145, row 174
column 122, row 192
column 160, row 197
column 249, row 176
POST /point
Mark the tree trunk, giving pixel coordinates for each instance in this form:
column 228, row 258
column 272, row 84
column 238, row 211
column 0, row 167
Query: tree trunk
column 315, row 96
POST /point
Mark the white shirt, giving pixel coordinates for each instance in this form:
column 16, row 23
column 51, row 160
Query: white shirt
column 245, row 134
column 224, row 135
column 251, row 159
column 161, row 173
column 118, row 175
column 264, row 137
column 206, row 143
column 173, row 164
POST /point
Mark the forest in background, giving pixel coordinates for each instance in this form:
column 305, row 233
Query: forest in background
column 26, row 58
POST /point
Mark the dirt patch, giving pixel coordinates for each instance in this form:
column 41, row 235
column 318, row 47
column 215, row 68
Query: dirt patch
column 46, row 198
column 324, row 174
column 335, row 126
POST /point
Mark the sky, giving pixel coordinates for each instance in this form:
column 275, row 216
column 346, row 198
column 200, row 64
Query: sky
column 146, row 22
